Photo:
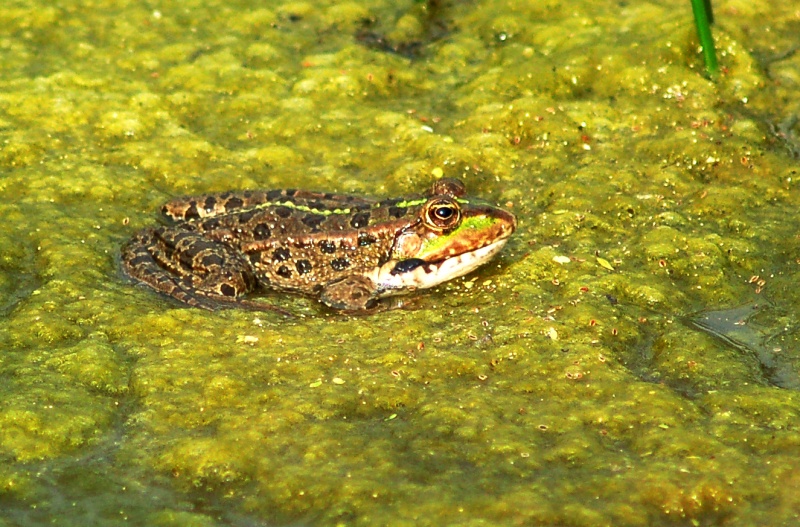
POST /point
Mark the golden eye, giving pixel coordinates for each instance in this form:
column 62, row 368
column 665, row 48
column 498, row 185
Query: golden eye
column 443, row 214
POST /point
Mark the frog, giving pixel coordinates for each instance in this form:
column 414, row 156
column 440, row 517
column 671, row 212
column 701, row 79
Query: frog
column 213, row 251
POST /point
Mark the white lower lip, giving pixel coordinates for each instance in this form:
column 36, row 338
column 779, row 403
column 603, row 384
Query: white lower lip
column 430, row 275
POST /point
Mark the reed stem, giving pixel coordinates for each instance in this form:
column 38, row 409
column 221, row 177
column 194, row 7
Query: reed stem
column 703, row 18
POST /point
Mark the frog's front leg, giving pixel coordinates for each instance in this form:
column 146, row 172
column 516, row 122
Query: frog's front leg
column 189, row 267
column 350, row 293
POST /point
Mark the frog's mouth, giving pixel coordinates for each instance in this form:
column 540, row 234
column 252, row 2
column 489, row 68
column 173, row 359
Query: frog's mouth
column 394, row 278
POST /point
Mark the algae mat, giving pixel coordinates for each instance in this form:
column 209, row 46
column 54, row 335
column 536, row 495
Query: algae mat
column 631, row 359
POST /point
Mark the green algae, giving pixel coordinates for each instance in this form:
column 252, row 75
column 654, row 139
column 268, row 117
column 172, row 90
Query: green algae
column 551, row 387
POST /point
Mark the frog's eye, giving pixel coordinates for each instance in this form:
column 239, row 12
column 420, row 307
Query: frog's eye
column 442, row 214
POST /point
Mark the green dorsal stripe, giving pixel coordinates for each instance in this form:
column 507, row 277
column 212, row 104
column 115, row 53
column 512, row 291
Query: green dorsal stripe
column 292, row 205
column 414, row 203
column 329, row 212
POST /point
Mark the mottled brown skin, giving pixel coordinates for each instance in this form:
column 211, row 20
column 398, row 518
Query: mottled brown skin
column 221, row 247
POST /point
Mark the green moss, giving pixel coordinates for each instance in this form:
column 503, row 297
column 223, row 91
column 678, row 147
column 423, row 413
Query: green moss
column 45, row 417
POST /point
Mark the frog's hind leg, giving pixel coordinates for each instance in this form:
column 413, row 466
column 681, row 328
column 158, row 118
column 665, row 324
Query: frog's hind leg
column 191, row 269
column 146, row 259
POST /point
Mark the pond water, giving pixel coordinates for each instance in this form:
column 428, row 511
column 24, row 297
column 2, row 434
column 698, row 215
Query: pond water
column 630, row 359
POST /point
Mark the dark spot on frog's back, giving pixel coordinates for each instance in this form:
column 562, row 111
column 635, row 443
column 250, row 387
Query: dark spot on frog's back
column 233, row 203
column 261, row 232
column 209, row 204
column 365, row 239
column 282, row 211
column 316, row 205
column 340, row 264
column 303, row 266
column 191, row 211
column 313, row 221
column 210, row 224
column 246, row 216
column 272, row 195
column 397, row 212
column 327, row 247
column 284, row 272
column 359, row 220
column 281, row 254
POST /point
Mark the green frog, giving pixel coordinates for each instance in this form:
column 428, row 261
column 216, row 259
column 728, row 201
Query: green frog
column 348, row 251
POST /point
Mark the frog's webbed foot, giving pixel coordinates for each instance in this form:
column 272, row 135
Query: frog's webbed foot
column 350, row 293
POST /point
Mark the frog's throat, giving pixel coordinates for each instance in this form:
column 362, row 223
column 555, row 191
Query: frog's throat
column 429, row 274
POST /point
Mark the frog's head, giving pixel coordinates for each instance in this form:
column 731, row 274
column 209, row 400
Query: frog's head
column 450, row 236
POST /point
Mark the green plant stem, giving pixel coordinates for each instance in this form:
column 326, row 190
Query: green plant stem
column 702, row 20
column 709, row 11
